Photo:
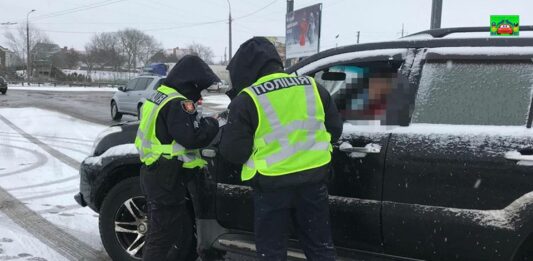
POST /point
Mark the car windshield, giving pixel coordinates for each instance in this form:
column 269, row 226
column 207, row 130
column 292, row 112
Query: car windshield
column 478, row 93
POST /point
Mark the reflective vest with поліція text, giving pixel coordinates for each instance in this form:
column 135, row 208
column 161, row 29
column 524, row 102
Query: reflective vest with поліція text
column 147, row 143
column 290, row 135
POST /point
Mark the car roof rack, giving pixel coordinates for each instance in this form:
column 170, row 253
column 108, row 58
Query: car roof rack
column 441, row 32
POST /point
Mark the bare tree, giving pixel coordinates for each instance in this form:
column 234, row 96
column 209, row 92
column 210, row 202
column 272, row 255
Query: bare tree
column 202, row 51
column 137, row 46
column 17, row 40
column 104, row 50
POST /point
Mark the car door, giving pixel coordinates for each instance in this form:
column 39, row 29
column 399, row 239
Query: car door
column 355, row 187
column 356, row 184
column 125, row 99
column 138, row 93
column 452, row 174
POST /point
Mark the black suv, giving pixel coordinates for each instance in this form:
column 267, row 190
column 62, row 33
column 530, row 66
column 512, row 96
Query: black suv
column 435, row 162
column 3, row 85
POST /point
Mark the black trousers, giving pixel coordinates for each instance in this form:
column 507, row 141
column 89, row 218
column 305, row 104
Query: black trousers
column 164, row 188
column 308, row 205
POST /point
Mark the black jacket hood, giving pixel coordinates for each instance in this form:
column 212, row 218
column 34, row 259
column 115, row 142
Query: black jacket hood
column 190, row 76
column 254, row 59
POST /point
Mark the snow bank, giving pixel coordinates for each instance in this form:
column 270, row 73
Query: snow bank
column 61, row 88
column 103, row 75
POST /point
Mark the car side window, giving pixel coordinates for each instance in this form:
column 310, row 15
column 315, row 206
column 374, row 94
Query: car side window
column 142, row 83
column 474, row 93
column 362, row 96
column 131, row 84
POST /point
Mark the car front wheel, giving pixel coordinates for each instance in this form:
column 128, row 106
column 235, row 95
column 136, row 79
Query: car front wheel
column 123, row 224
column 115, row 114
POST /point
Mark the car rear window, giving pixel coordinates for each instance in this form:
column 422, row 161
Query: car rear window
column 474, row 93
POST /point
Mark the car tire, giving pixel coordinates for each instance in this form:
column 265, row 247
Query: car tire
column 114, row 210
column 115, row 114
column 4, row 93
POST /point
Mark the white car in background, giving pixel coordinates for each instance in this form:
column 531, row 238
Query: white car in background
column 129, row 99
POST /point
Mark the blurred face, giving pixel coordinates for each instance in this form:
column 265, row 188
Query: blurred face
column 379, row 87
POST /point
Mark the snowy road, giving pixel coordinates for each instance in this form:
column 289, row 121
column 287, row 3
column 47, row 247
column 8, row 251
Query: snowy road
column 40, row 152
column 90, row 104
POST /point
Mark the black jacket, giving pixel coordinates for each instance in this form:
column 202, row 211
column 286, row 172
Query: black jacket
column 189, row 77
column 238, row 134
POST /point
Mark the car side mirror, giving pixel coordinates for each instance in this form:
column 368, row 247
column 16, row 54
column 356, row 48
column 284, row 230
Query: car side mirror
column 334, row 76
column 122, row 88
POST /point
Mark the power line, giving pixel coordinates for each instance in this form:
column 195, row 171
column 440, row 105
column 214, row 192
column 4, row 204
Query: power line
column 257, row 11
column 77, row 9
column 108, row 2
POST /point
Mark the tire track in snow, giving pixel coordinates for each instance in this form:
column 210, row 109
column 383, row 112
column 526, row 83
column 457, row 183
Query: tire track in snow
column 65, row 244
column 41, row 160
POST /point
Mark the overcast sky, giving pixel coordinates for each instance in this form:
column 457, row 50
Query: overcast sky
column 178, row 22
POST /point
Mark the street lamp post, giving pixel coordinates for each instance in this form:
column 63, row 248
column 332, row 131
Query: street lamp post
column 229, row 5
column 28, row 67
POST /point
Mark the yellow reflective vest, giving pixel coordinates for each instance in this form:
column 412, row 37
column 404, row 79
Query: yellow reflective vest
column 146, row 142
column 290, row 135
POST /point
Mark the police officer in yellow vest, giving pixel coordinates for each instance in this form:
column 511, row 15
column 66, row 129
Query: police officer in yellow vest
column 169, row 136
column 280, row 128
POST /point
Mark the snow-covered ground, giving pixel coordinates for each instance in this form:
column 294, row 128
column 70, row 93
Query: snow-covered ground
column 103, row 75
column 40, row 152
column 61, row 88
column 34, row 173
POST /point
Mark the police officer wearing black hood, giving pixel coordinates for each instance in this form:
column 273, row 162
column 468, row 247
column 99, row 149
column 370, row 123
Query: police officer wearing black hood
column 280, row 129
column 169, row 136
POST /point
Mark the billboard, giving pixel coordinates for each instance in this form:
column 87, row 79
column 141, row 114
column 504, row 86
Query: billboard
column 303, row 31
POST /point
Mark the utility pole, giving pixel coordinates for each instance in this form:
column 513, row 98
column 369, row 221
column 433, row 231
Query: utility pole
column 402, row 29
column 290, row 6
column 225, row 57
column 28, row 63
column 358, row 34
column 229, row 21
column 436, row 14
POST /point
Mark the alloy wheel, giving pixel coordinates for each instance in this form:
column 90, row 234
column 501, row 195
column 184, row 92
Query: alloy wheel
column 131, row 225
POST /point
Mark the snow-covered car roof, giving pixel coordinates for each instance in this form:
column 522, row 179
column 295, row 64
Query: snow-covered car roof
column 427, row 39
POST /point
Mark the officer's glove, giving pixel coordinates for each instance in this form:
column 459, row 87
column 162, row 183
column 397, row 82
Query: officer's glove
column 210, row 126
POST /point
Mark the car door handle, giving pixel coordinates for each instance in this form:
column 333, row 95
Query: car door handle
column 522, row 159
column 360, row 152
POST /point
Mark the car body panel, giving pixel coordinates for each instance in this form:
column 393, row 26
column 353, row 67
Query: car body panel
column 401, row 201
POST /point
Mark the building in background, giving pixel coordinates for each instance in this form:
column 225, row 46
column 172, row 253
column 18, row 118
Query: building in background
column 178, row 52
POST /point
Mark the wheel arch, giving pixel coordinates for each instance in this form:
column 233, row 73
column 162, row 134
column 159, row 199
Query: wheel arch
column 125, row 171
column 115, row 176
